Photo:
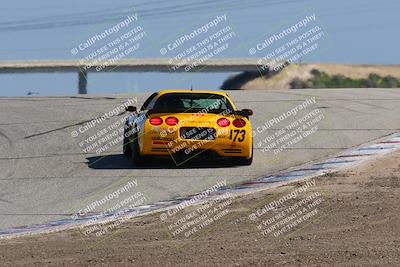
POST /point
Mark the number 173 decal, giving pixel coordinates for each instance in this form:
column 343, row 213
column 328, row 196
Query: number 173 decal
column 238, row 135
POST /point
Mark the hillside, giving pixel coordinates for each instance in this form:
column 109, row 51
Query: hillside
column 282, row 79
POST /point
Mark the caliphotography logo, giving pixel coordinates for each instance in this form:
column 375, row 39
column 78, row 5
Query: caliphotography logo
column 201, row 133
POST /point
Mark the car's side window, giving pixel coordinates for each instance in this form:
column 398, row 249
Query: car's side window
column 147, row 102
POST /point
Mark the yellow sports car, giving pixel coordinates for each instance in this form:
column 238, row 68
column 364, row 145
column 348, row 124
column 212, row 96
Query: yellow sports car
column 184, row 124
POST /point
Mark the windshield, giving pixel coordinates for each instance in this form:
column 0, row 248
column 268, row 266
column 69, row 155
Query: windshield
column 186, row 103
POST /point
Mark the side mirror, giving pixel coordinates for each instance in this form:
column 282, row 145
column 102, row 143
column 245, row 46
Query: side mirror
column 130, row 108
column 247, row 112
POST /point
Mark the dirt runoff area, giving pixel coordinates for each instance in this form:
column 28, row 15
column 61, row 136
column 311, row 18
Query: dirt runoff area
column 347, row 218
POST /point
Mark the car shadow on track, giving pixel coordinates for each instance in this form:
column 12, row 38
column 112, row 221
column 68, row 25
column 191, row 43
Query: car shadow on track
column 119, row 161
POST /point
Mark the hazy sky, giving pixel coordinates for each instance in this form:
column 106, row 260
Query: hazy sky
column 357, row 31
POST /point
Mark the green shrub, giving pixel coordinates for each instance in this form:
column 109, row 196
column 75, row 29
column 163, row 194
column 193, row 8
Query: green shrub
column 324, row 80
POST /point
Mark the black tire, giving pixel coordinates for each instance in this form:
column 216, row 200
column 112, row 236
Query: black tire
column 126, row 148
column 136, row 158
column 245, row 161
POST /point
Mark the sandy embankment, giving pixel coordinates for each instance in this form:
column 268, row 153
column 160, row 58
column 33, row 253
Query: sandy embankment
column 357, row 223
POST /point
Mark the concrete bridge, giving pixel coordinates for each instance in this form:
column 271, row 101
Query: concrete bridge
column 131, row 65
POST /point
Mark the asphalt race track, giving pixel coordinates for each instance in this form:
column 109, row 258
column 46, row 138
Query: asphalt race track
column 45, row 175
